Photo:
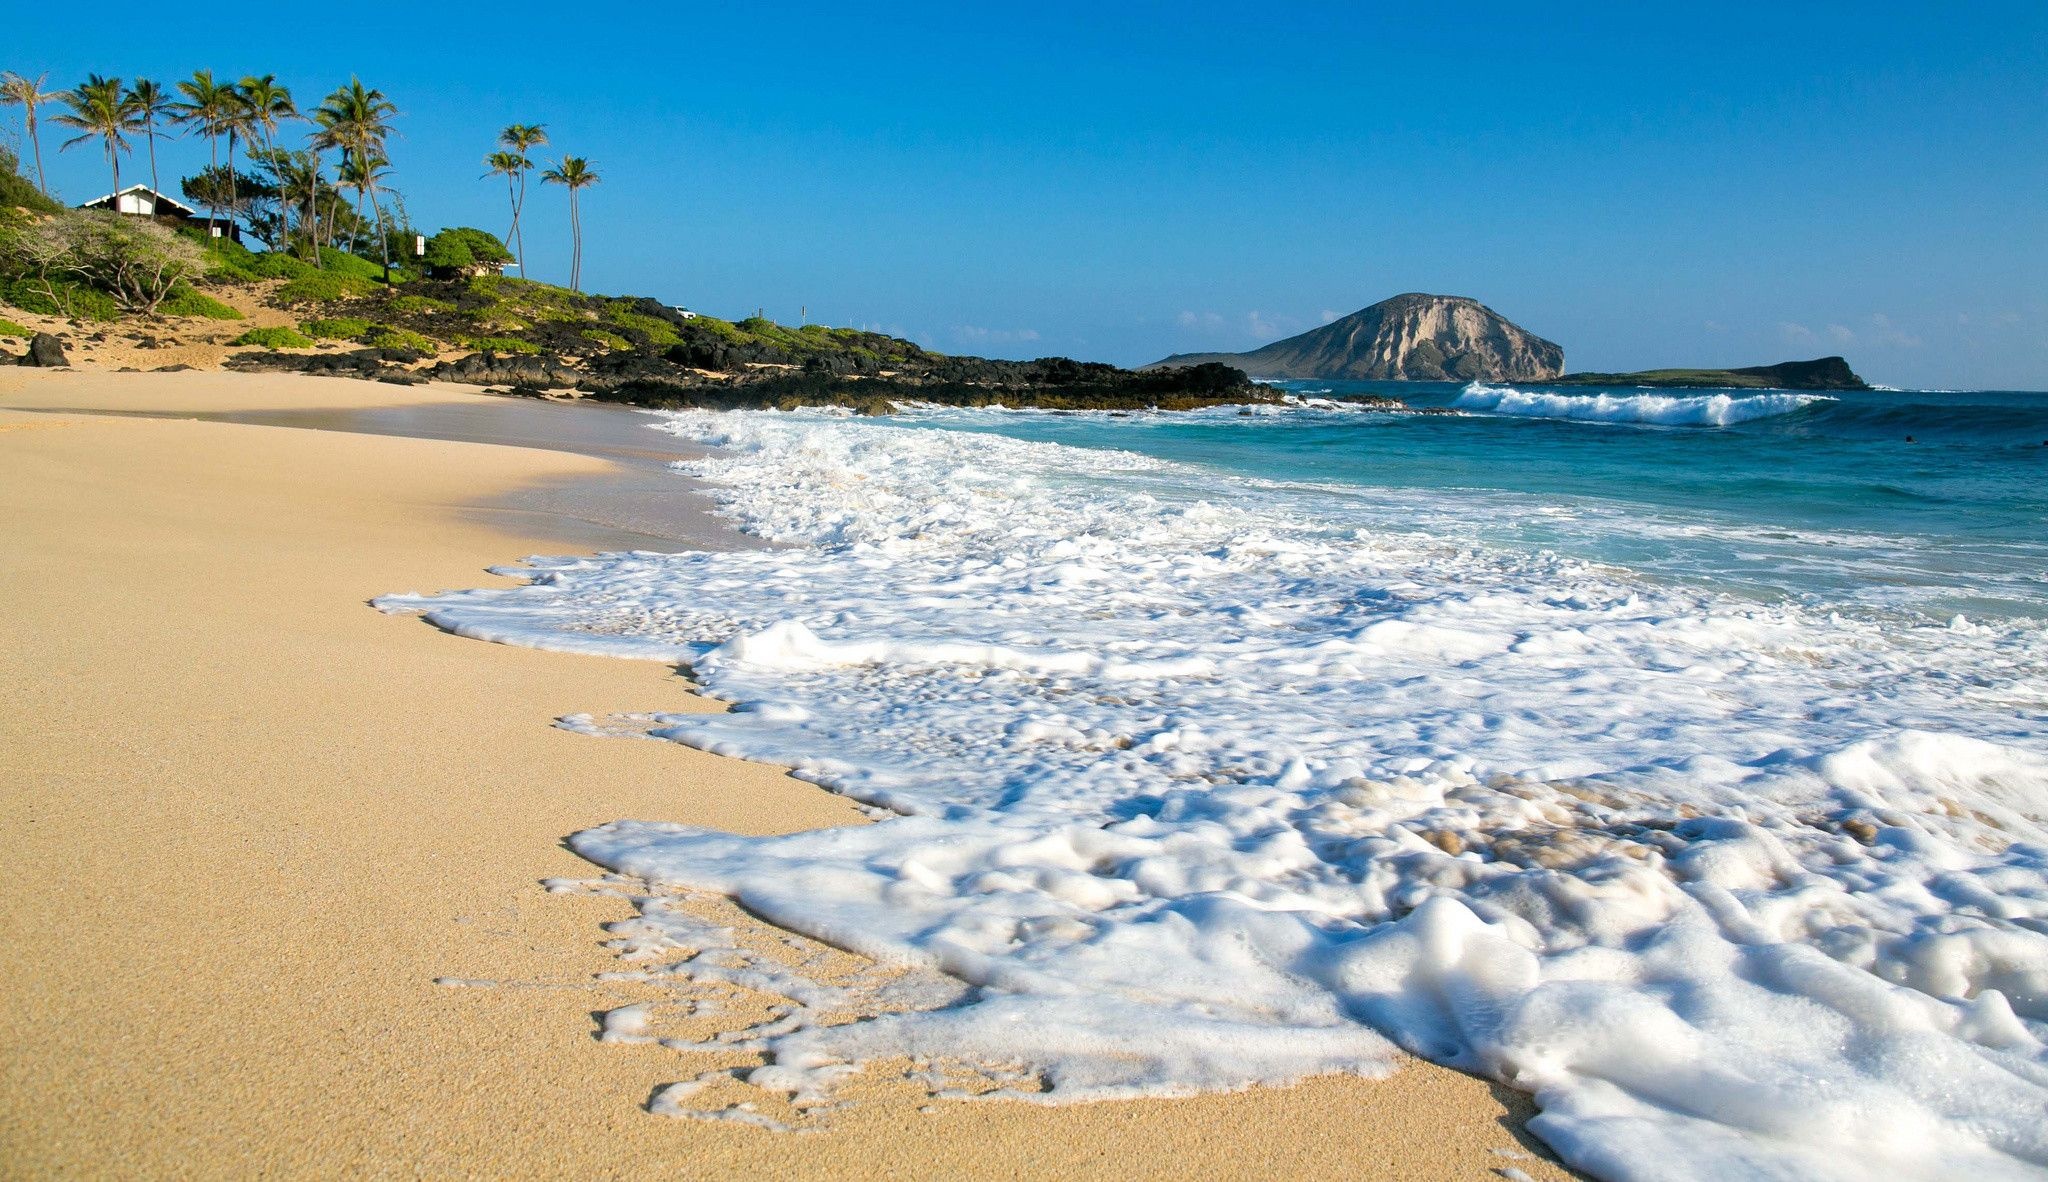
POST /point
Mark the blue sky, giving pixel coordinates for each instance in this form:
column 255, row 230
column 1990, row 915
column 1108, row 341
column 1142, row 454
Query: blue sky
column 1645, row 184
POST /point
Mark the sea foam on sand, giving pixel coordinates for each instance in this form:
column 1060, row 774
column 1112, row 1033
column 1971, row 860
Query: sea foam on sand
column 1197, row 783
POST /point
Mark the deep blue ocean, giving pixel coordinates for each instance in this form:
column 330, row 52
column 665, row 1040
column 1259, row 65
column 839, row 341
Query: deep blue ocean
column 1927, row 501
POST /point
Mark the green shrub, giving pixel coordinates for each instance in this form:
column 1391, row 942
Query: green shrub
column 58, row 298
column 501, row 345
column 227, row 259
column 386, row 337
column 609, row 340
column 315, row 287
column 420, row 305
column 133, row 261
column 9, row 328
column 464, row 250
column 338, row 328
column 335, row 259
column 17, row 190
column 274, row 338
column 188, row 301
column 658, row 332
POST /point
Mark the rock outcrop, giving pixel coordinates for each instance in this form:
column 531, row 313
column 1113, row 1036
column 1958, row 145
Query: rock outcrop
column 1822, row 373
column 45, row 350
column 1412, row 337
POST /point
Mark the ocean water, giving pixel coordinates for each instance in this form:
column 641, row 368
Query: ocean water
column 1678, row 757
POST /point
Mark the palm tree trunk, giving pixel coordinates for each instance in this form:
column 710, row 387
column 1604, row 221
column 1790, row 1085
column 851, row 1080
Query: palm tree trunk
column 575, row 245
column 512, row 195
column 518, row 229
column 232, row 200
column 383, row 241
column 42, row 180
column 213, row 156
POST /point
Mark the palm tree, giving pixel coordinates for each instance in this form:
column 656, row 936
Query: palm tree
column 209, row 106
column 512, row 166
column 298, row 183
column 148, row 103
column 356, row 120
column 28, row 94
column 100, row 110
column 366, row 175
column 268, row 105
column 573, row 173
column 521, row 139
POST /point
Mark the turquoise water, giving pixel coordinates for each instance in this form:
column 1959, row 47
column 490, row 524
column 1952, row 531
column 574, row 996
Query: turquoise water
column 1919, row 501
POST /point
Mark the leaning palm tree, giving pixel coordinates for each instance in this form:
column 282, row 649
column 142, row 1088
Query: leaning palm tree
column 100, row 111
column 573, row 173
column 521, row 139
column 149, row 104
column 28, row 94
column 211, row 107
column 513, row 167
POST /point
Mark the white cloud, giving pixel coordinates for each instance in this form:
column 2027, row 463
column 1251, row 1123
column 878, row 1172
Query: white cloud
column 1714, row 326
column 1797, row 334
column 1255, row 322
column 1841, row 334
column 1330, row 317
column 1202, row 321
column 1884, row 332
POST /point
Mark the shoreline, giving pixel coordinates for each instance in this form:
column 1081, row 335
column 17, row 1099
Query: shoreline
column 257, row 819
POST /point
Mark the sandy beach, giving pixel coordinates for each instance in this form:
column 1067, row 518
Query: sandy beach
column 252, row 821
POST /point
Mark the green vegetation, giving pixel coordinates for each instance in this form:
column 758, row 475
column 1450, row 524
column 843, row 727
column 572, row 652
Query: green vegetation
column 464, row 250
column 320, row 287
column 17, row 193
column 386, row 337
column 651, row 329
column 50, row 263
column 186, row 300
column 58, row 297
column 9, row 328
column 501, row 345
column 609, row 340
column 415, row 305
column 337, row 328
column 275, row 338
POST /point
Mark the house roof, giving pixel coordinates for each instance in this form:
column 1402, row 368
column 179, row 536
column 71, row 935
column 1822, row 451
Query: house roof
column 162, row 200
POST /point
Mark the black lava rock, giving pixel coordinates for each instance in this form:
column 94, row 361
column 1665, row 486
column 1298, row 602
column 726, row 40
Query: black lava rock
column 46, row 351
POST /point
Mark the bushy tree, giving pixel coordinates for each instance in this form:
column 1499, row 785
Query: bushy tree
column 134, row 260
column 463, row 251
column 241, row 196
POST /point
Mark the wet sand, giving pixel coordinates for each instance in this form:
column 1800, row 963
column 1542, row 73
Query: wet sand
column 252, row 821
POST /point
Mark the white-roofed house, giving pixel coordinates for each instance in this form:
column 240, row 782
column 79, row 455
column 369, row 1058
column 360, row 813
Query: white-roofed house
column 143, row 201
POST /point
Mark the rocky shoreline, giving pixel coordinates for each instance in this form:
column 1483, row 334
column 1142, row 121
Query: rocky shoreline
column 642, row 352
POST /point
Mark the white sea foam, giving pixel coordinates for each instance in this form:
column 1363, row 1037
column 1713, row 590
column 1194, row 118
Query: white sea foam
column 1701, row 410
column 1200, row 786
